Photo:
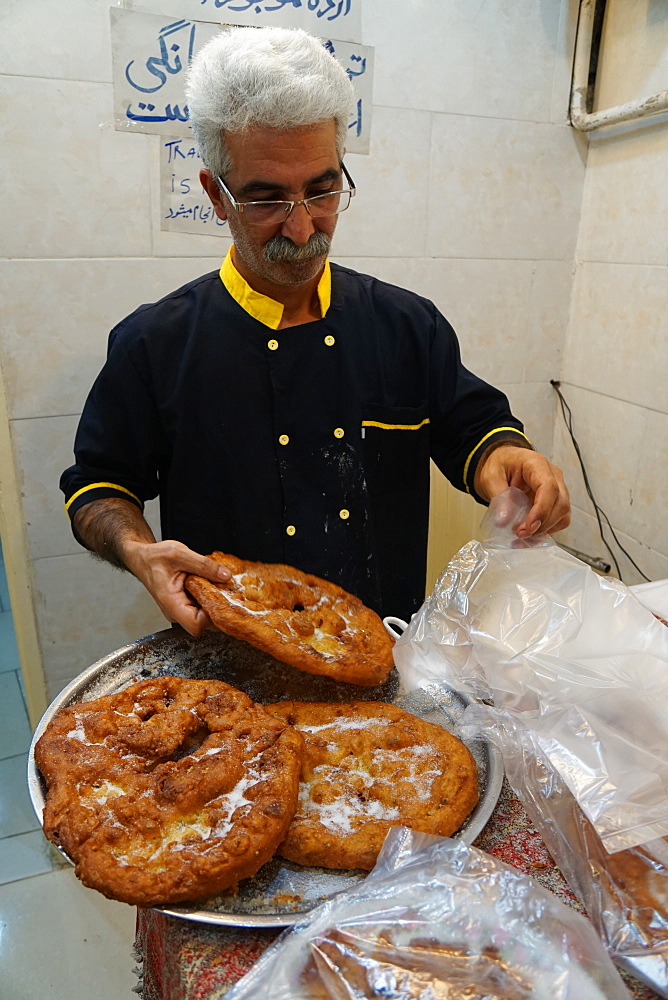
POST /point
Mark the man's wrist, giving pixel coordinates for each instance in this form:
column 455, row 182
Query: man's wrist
column 505, row 443
column 131, row 551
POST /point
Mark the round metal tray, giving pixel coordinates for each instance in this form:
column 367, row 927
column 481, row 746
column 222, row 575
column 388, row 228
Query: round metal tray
column 281, row 892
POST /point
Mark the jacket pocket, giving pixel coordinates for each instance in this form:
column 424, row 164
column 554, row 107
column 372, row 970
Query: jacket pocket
column 396, row 447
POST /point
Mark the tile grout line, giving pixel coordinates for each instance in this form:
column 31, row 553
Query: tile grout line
column 23, row 701
column 19, row 833
column 15, row 756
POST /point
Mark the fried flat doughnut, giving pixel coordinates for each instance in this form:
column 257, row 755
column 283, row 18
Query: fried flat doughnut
column 298, row 618
column 368, row 766
column 170, row 790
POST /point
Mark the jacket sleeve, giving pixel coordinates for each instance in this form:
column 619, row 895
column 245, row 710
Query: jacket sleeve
column 467, row 414
column 119, row 446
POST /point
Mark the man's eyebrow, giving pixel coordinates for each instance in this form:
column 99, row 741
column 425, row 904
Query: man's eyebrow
column 259, row 185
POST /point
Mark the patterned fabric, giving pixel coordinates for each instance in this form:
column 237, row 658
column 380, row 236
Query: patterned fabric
column 188, row 961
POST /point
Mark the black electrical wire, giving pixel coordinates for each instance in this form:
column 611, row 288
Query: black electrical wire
column 600, row 513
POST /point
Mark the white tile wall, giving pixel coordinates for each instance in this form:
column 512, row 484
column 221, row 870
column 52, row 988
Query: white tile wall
column 625, row 207
column 42, row 449
column 584, row 535
column 85, row 610
column 634, row 52
column 503, row 189
column 617, row 343
column 548, row 319
column 616, row 358
column 625, row 451
column 494, row 59
column 387, row 217
column 62, row 41
column 79, row 188
column 533, row 403
column 58, row 314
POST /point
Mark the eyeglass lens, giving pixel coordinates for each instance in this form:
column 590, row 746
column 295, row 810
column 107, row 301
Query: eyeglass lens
column 320, row 205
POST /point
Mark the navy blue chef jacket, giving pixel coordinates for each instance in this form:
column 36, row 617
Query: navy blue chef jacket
column 308, row 445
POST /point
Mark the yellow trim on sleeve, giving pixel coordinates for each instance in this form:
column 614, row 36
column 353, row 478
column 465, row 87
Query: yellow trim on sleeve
column 496, row 430
column 261, row 307
column 95, row 486
column 395, row 427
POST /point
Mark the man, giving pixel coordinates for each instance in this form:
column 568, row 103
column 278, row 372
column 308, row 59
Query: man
column 285, row 410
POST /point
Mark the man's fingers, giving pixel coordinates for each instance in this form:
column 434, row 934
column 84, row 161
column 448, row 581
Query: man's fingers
column 190, row 616
column 504, row 510
column 213, row 570
column 185, row 560
column 546, row 517
column 193, row 621
column 550, row 511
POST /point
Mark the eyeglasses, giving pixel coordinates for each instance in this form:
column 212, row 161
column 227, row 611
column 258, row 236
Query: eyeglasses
column 266, row 213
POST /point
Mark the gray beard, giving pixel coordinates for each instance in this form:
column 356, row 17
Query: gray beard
column 279, row 249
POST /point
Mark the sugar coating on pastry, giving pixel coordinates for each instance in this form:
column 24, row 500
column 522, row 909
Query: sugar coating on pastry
column 298, row 618
column 368, row 766
column 168, row 791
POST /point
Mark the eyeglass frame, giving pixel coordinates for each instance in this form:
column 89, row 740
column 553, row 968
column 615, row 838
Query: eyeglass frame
column 240, row 205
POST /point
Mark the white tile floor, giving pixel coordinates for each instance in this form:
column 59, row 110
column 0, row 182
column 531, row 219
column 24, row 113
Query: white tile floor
column 58, row 940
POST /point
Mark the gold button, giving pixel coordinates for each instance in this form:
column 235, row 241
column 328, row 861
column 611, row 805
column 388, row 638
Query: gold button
column 290, row 530
column 344, row 514
column 329, row 340
column 339, row 432
column 283, row 439
column 272, row 345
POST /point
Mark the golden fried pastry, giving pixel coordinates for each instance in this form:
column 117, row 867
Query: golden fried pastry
column 368, row 766
column 298, row 618
column 170, row 790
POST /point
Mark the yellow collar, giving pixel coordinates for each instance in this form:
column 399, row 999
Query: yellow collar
column 261, row 307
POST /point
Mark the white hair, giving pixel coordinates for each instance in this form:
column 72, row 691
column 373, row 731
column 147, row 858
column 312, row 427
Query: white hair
column 278, row 78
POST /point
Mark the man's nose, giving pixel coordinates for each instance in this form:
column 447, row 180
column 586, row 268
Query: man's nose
column 298, row 226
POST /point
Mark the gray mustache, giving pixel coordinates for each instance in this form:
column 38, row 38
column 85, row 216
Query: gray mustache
column 280, row 248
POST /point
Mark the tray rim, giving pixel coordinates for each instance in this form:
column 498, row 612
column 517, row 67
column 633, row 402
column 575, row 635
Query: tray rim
column 475, row 825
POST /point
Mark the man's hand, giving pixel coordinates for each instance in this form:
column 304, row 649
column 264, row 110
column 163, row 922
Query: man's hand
column 116, row 531
column 162, row 567
column 509, row 465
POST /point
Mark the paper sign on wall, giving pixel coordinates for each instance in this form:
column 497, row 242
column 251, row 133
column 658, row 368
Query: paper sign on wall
column 341, row 17
column 150, row 56
column 184, row 205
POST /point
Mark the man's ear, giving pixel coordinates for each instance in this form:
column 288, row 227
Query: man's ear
column 208, row 182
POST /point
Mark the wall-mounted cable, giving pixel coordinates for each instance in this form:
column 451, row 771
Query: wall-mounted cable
column 601, row 516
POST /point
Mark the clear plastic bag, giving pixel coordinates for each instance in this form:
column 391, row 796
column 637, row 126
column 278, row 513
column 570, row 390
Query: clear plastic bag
column 437, row 920
column 574, row 655
column 626, row 893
